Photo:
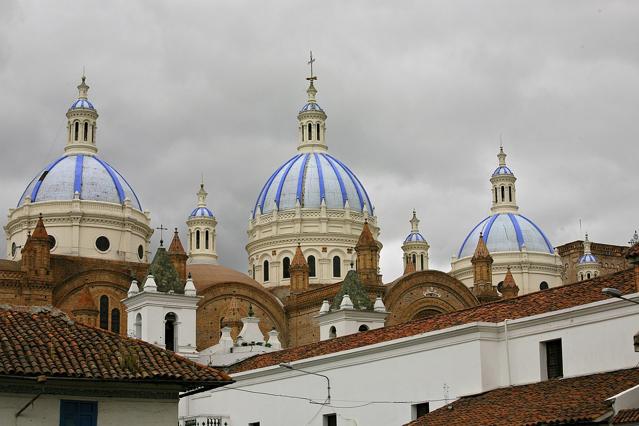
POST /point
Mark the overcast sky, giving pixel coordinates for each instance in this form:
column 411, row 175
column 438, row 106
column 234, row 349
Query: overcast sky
column 417, row 94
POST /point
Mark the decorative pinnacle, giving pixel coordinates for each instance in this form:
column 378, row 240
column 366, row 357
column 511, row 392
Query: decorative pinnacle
column 201, row 195
column 83, row 88
column 311, row 91
column 414, row 222
column 501, row 156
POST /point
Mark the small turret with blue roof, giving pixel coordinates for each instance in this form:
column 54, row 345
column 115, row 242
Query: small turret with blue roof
column 415, row 247
column 588, row 265
column 202, row 241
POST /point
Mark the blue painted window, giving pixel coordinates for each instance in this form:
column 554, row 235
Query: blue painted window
column 78, row 413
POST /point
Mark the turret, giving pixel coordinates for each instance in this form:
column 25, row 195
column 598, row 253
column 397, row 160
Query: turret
column 81, row 123
column 509, row 287
column 311, row 120
column 587, row 266
column 299, row 272
column 503, row 187
column 367, row 257
column 415, row 247
column 178, row 256
column 36, row 256
column 202, row 235
column 482, row 262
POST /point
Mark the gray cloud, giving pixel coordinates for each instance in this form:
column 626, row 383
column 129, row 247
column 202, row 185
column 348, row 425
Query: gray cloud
column 417, row 95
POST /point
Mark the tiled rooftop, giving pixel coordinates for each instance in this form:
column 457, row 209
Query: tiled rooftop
column 576, row 400
column 37, row 341
column 553, row 299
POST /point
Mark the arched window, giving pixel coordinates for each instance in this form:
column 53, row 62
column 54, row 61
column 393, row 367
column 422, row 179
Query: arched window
column 363, row 327
column 190, row 240
column 286, row 268
column 510, row 193
column 115, row 320
column 197, row 239
column 265, row 271
column 332, row 332
column 503, row 198
column 170, row 331
column 317, row 130
column 582, row 277
column 311, row 265
column 303, row 133
column 253, row 272
column 310, row 132
column 206, row 242
column 588, row 275
column 138, row 326
column 495, row 194
column 77, row 130
column 422, row 262
column 104, row 312
column 414, row 260
column 337, row 267
column 93, row 134
column 86, row 131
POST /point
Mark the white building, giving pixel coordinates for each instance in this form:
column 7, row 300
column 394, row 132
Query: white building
column 385, row 376
column 88, row 207
column 512, row 240
column 313, row 199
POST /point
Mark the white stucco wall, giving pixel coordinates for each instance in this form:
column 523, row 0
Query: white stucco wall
column 111, row 411
column 432, row 366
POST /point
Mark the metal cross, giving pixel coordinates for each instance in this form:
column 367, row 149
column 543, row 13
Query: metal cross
column 310, row 62
column 161, row 228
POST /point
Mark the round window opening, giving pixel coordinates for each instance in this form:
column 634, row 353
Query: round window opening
column 52, row 242
column 543, row 285
column 102, row 243
column 140, row 252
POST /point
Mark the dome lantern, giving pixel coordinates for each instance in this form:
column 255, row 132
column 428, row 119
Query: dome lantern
column 588, row 265
column 202, row 234
column 312, row 120
column 503, row 187
column 415, row 247
column 81, row 123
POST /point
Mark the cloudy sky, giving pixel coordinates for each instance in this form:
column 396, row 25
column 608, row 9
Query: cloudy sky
column 417, row 95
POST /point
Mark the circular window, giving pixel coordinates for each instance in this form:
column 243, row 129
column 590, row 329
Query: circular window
column 543, row 285
column 102, row 243
column 51, row 242
column 141, row 252
column 500, row 286
column 14, row 249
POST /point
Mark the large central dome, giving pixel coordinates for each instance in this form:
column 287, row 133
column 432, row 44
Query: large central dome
column 309, row 178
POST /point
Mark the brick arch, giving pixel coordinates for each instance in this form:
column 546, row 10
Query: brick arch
column 215, row 301
column 426, row 290
column 113, row 284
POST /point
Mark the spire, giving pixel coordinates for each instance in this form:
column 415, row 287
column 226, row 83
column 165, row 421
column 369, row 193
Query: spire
column 81, row 123
column 509, row 287
column 587, row 245
column 367, row 257
column 40, row 231
column 178, row 256
column 482, row 262
column 299, row 271
column 176, row 245
column 503, row 187
column 481, row 251
column 202, row 237
column 311, row 118
column 410, row 266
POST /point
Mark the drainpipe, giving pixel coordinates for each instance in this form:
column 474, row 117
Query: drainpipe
column 507, row 350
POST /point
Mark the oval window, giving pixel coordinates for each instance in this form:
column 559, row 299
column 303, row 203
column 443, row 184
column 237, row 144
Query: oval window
column 52, row 242
column 102, row 243
column 140, row 252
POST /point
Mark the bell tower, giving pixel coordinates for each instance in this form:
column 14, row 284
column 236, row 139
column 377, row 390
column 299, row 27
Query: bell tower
column 503, row 187
column 312, row 120
column 202, row 236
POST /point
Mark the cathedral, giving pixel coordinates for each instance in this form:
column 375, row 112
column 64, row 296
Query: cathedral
column 79, row 239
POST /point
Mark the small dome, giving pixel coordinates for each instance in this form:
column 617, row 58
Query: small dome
column 414, row 237
column 311, row 106
column 81, row 103
column 587, row 258
column 310, row 178
column 505, row 232
column 201, row 212
column 502, row 170
column 87, row 175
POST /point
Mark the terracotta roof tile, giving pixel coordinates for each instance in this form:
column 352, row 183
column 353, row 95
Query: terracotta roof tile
column 366, row 237
column 633, row 252
column 44, row 341
column 176, row 245
column 626, row 416
column 481, row 251
column 559, row 401
column 530, row 304
column 40, row 231
column 298, row 259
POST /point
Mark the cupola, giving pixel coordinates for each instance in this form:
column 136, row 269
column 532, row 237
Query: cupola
column 81, row 123
column 202, row 235
column 415, row 248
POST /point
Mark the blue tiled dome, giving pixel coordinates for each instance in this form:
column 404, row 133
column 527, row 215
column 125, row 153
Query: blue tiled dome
column 506, row 232
column 311, row 178
column 91, row 177
column 201, row 212
column 81, row 103
column 414, row 237
column 502, row 170
column 587, row 258
column 311, row 106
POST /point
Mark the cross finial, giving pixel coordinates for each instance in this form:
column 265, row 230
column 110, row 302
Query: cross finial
column 310, row 62
column 161, row 228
